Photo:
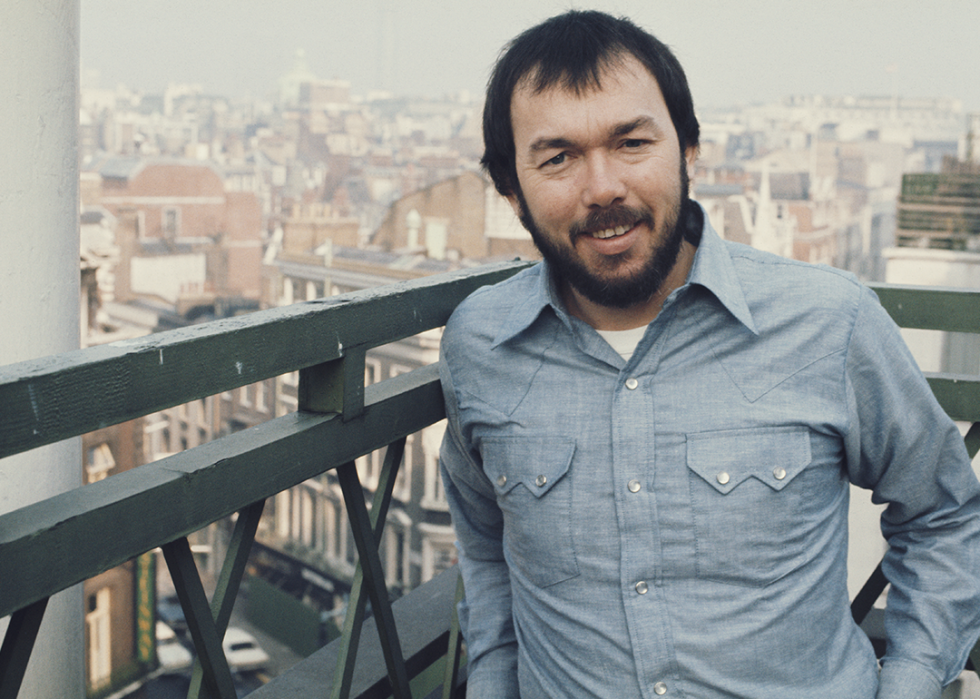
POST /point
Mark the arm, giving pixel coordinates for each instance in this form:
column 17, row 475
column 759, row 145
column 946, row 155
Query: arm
column 485, row 613
column 905, row 449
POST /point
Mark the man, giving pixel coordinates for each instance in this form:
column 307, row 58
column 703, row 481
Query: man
column 652, row 433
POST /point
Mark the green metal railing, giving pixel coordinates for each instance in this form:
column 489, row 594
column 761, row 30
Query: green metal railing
column 54, row 544
column 59, row 542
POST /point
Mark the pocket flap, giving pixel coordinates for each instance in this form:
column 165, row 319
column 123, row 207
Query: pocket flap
column 536, row 463
column 773, row 455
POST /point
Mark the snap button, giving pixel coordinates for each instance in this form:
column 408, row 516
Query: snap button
column 723, row 478
column 502, row 481
column 660, row 688
column 779, row 472
column 641, row 587
column 540, row 481
column 634, row 486
column 632, row 384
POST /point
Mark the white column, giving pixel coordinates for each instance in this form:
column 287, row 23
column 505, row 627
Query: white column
column 39, row 277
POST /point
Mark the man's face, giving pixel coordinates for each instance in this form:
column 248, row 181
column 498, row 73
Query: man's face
column 602, row 183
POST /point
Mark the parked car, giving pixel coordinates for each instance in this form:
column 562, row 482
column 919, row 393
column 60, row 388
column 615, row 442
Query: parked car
column 242, row 651
column 171, row 653
column 171, row 613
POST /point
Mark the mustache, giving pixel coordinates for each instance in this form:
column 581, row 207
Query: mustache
column 611, row 218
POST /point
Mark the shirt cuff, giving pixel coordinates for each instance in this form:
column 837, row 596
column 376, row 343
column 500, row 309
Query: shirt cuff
column 906, row 679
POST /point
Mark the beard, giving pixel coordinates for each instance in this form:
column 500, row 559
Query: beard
column 600, row 285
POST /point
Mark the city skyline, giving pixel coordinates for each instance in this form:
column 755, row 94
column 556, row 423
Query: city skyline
column 734, row 53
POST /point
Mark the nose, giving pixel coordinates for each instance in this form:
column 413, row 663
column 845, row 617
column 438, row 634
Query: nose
column 603, row 184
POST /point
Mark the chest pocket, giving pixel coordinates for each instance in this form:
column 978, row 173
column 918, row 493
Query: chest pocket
column 532, row 480
column 746, row 489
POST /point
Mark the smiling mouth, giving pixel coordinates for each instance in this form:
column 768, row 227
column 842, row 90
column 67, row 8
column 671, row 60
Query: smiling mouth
column 610, row 232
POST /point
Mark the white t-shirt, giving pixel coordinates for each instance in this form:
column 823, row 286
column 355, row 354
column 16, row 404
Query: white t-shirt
column 624, row 341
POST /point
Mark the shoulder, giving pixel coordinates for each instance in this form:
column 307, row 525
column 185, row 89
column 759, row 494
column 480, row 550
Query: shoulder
column 482, row 314
column 776, row 286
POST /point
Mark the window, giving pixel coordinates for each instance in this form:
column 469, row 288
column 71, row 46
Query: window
column 260, row 390
column 100, row 462
column 397, row 552
column 329, row 528
column 296, row 511
column 438, row 551
column 97, row 629
column 307, row 533
column 434, row 497
column 369, row 469
column 202, row 414
column 286, row 404
column 171, row 223
column 398, row 369
column 314, row 290
column 372, row 371
column 282, row 514
column 403, row 482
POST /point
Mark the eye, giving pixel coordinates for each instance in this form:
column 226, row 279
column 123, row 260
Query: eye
column 633, row 143
column 557, row 160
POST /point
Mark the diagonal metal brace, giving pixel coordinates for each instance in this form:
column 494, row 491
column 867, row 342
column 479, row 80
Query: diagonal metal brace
column 17, row 646
column 455, row 648
column 344, row 674
column 229, row 581
column 200, row 623
column 366, row 542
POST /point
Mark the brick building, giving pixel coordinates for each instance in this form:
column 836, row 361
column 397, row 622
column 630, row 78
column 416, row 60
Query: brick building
column 183, row 238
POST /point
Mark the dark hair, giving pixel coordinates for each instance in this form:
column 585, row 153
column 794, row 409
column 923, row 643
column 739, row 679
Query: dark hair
column 571, row 50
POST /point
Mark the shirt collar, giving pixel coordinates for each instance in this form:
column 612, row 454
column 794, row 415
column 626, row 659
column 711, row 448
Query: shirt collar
column 712, row 269
column 543, row 294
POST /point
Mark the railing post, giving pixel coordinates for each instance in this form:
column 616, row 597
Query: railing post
column 334, row 387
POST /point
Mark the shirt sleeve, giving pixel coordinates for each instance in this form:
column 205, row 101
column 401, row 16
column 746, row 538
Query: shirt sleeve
column 485, row 614
column 904, row 448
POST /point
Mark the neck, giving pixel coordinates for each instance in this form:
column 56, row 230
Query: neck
column 639, row 314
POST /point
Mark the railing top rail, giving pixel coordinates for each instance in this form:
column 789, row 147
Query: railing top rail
column 175, row 496
column 931, row 307
column 46, row 400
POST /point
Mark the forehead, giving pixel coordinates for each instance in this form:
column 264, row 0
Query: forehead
column 626, row 91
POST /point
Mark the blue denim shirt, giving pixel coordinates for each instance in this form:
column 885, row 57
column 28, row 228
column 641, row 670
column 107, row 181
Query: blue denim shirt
column 676, row 525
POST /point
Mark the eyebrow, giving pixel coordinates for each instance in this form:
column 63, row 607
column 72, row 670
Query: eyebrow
column 543, row 144
column 631, row 126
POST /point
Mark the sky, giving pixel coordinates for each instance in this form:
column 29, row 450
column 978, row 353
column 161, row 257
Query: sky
column 735, row 52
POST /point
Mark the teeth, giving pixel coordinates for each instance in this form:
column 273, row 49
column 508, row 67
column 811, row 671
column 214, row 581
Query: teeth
column 611, row 232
